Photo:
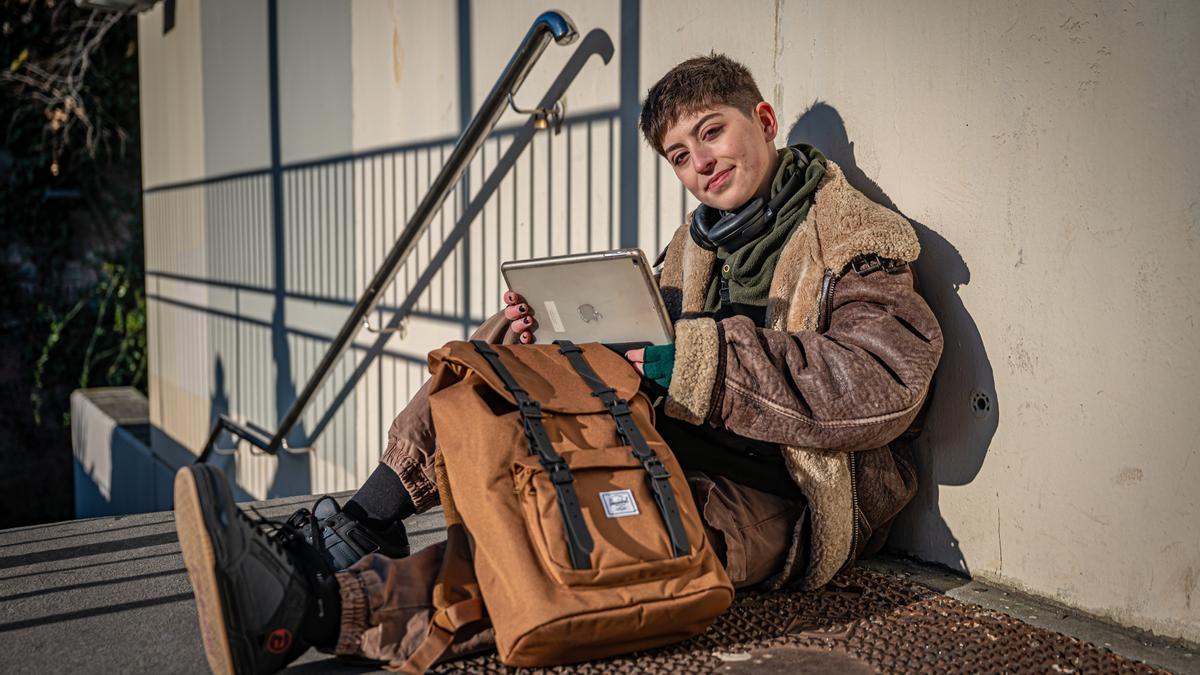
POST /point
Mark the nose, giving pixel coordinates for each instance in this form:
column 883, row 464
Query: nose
column 702, row 160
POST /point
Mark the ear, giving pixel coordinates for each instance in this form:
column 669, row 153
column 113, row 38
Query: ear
column 765, row 116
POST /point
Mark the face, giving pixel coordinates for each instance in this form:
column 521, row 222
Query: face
column 723, row 157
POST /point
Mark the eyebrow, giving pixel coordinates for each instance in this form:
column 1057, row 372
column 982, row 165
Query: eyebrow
column 695, row 129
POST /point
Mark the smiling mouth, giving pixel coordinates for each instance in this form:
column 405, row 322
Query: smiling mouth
column 718, row 180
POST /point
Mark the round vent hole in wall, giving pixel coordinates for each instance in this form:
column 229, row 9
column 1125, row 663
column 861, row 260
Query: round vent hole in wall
column 981, row 404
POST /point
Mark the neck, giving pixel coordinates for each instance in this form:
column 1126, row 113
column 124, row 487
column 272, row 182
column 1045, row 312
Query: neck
column 764, row 188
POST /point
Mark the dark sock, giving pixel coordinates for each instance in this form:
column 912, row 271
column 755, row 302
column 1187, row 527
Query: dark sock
column 323, row 623
column 381, row 501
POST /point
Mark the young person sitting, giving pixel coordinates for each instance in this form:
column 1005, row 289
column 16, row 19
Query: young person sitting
column 802, row 353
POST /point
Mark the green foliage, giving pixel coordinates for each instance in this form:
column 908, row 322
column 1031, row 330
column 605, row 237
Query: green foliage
column 112, row 320
column 71, row 263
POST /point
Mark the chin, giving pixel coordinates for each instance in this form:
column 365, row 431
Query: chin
column 726, row 201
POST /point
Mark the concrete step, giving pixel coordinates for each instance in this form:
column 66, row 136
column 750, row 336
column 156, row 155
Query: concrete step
column 111, row 595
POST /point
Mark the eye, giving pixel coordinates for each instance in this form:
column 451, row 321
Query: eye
column 679, row 159
column 711, row 132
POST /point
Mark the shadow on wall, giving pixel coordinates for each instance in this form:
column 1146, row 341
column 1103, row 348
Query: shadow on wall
column 178, row 455
column 224, row 455
column 293, row 472
column 302, row 186
column 175, row 455
column 225, row 449
column 596, row 43
column 120, row 475
column 964, row 411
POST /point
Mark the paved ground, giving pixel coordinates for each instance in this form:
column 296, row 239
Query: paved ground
column 111, row 595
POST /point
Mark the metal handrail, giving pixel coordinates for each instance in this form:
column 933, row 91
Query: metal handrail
column 549, row 25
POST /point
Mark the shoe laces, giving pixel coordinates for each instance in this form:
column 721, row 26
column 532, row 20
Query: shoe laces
column 288, row 538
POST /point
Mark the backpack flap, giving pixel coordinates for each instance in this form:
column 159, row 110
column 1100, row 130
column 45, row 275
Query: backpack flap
column 543, row 373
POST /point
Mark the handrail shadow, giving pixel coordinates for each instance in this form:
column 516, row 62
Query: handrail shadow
column 596, row 43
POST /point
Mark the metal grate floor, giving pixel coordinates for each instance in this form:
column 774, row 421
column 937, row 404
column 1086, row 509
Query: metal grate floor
column 862, row 622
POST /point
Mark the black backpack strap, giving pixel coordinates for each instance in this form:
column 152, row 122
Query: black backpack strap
column 579, row 542
column 657, row 474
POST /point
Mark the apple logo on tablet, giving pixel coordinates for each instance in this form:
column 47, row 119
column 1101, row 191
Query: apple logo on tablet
column 589, row 314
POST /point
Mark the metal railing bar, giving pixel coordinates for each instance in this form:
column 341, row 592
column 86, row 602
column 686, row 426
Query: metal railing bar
column 595, row 43
column 549, row 25
column 225, row 423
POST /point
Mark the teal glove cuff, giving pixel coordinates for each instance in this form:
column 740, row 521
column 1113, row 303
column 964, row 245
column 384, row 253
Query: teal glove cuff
column 658, row 363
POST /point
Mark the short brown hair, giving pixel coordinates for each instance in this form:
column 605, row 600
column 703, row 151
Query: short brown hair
column 696, row 84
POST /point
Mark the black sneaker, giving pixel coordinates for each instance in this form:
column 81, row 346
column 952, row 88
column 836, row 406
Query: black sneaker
column 257, row 583
column 346, row 540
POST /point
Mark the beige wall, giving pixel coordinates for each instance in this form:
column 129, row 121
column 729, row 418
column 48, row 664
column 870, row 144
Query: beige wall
column 1051, row 152
column 1048, row 152
column 172, row 128
column 170, row 69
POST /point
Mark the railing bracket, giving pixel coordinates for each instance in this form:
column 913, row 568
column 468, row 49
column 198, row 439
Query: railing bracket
column 544, row 118
column 401, row 328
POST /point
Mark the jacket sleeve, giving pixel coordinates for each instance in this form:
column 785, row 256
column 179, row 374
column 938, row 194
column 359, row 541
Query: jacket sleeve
column 853, row 386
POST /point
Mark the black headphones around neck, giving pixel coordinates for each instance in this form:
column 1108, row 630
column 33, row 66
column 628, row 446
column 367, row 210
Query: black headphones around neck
column 712, row 228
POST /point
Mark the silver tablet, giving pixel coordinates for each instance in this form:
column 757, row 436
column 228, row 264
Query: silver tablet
column 608, row 297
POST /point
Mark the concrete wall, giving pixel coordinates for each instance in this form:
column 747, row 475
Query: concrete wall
column 1048, row 152
column 1051, row 154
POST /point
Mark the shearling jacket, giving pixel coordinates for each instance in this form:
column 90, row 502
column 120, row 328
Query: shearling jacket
column 837, row 375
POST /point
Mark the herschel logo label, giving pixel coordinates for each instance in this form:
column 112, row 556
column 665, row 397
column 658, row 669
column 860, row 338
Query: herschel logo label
column 619, row 503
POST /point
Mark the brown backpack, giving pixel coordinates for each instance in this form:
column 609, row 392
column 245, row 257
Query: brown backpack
column 586, row 540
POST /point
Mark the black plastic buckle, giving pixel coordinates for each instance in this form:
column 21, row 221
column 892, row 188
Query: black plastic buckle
column 618, row 407
column 558, row 471
column 530, row 409
column 655, row 468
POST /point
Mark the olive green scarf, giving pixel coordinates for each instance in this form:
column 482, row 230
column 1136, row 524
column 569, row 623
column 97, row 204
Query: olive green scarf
column 749, row 269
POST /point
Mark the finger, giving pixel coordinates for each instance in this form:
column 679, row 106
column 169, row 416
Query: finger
column 521, row 325
column 638, row 366
column 636, row 355
column 527, row 337
column 516, row 311
column 513, row 298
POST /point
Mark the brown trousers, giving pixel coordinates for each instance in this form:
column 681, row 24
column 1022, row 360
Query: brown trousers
column 387, row 603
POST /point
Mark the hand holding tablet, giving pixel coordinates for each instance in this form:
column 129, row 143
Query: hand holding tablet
column 609, row 297
column 520, row 314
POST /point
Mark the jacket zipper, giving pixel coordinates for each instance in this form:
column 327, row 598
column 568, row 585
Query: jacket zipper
column 826, row 314
column 854, row 510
